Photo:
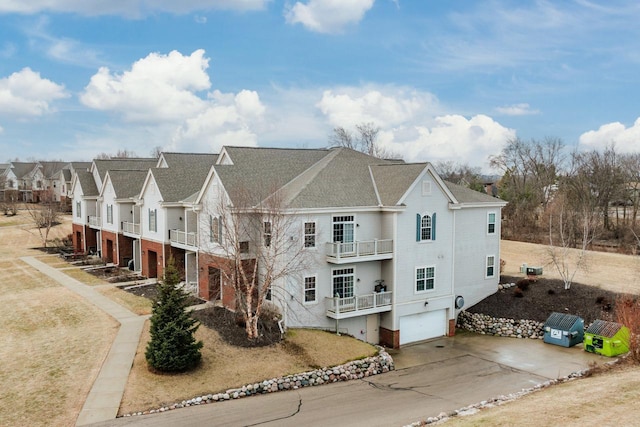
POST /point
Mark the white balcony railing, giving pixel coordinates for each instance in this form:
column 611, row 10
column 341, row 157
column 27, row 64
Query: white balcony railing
column 358, row 305
column 368, row 250
column 183, row 238
column 131, row 227
column 94, row 221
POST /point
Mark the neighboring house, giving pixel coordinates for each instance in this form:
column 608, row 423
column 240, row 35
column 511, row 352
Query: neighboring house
column 394, row 250
column 20, row 176
column 168, row 223
column 87, row 205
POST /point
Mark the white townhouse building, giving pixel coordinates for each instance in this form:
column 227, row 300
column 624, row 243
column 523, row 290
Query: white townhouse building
column 393, row 252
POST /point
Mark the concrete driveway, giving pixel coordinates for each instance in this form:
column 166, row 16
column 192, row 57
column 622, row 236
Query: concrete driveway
column 431, row 377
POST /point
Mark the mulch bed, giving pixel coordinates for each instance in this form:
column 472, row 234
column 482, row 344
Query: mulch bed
column 151, row 292
column 544, row 296
column 232, row 330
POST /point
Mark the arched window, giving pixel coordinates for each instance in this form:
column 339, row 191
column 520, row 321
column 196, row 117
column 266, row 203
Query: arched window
column 425, row 227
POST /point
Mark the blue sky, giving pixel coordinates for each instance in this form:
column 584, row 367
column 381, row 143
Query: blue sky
column 443, row 80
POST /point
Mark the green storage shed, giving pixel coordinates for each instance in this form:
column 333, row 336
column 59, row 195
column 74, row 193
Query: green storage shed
column 606, row 338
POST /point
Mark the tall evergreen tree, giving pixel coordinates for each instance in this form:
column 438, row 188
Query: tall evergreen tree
column 172, row 347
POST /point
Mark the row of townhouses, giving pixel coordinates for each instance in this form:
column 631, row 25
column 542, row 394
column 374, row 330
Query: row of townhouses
column 392, row 252
column 35, row 181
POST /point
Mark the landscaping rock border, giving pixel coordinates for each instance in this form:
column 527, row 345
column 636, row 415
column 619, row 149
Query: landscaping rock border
column 354, row 370
column 500, row 326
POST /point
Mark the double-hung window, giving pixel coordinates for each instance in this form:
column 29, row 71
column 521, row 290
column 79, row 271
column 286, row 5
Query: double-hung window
column 267, row 233
column 309, row 234
column 78, row 209
column 425, row 227
column 215, row 227
column 491, row 266
column 310, row 289
column 343, row 282
column 491, row 223
column 109, row 214
column 425, row 278
column 153, row 220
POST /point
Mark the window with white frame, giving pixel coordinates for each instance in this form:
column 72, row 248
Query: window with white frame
column 78, row 209
column 491, row 223
column 310, row 289
column 215, row 227
column 109, row 214
column 153, row 220
column 266, row 233
column 343, row 279
column 425, row 278
column 425, row 227
column 491, row 266
column 309, row 234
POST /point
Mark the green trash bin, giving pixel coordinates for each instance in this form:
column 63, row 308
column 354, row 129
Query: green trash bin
column 606, row 338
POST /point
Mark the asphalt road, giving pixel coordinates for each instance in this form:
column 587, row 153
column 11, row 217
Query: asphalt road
column 433, row 377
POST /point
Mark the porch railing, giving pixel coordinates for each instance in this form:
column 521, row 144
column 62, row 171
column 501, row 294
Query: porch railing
column 131, row 227
column 94, row 221
column 359, row 249
column 356, row 303
column 183, row 237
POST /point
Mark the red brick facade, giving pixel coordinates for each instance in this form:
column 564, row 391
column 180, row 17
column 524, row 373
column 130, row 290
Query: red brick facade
column 227, row 292
column 84, row 238
column 109, row 246
column 452, row 327
column 77, row 236
column 153, row 261
column 389, row 338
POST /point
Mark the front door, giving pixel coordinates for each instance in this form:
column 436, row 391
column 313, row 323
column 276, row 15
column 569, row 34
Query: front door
column 214, row 284
column 109, row 252
column 373, row 324
column 153, row 264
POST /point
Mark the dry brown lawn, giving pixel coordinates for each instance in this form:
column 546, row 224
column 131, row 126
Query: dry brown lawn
column 53, row 345
column 224, row 367
column 136, row 304
column 84, row 277
column 614, row 272
column 603, row 400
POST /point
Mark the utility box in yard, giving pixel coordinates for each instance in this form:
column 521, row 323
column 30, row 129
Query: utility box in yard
column 562, row 329
column 534, row 271
column 606, row 338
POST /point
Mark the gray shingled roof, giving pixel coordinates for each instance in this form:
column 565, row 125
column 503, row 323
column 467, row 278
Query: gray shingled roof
column 393, row 180
column 49, row 169
column 467, row 195
column 259, row 172
column 127, row 183
column 67, row 174
column 186, row 160
column 176, row 184
column 345, row 180
column 87, row 183
column 76, row 166
column 21, row 169
column 133, row 163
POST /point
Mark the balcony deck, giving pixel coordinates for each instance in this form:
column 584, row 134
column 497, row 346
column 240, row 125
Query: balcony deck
column 184, row 240
column 366, row 250
column 95, row 222
column 358, row 305
column 131, row 229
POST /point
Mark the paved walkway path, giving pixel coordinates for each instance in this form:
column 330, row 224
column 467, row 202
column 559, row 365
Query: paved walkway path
column 106, row 394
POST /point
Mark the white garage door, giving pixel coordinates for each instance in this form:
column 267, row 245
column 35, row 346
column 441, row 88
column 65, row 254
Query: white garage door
column 422, row 326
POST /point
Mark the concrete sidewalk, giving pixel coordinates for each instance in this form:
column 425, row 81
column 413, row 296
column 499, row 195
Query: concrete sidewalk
column 105, row 396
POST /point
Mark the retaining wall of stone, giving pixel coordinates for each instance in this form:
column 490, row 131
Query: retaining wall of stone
column 503, row 327
column 357, row 369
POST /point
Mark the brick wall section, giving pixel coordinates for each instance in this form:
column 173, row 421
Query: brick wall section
column 205, row 261
column 91, row 237
column 452, row 327
column 109, row 236
column 125, row 249
column 77, row 231
column 157, row 247
column 389, row 338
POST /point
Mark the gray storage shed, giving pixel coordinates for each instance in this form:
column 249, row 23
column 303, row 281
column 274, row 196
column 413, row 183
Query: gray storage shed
column 563, row 329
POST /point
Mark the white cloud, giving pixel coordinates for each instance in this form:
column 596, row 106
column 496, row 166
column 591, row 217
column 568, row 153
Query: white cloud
column 157, row 88
column 626, row 140
column 200, row 19
column 25, row 93
column 1, row 129
column 413, row 124
column 228, row 120
column 385, row 106
column 128, row 8
column 327, row 16
column 517, row 110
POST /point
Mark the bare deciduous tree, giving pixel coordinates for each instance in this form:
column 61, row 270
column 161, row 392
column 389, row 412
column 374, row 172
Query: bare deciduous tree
column 120, row 154
column 262, row 247
column 365, row 141
column 45, row 215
